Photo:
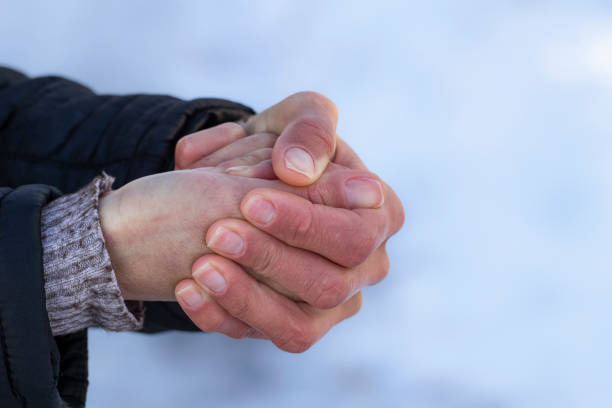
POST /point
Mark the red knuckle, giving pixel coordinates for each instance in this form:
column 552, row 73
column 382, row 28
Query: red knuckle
column 297, row 339
column 358, row 251
column 364, row 243
column 331, row 292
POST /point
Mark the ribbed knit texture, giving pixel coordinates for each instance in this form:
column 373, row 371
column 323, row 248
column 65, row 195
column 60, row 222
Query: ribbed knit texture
column 80, row 284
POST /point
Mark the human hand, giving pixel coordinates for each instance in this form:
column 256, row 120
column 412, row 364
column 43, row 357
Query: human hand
column 154, row 226
column 305, row 124
column 365, row 242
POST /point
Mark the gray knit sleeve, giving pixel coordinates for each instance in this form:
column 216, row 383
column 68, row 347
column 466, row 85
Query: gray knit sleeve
column 80, row 284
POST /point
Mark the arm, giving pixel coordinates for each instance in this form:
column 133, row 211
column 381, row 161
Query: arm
column 57, row 132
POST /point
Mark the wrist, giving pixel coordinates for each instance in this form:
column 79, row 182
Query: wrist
column 110, row 224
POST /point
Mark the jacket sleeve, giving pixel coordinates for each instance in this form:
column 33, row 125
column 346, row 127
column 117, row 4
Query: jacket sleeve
column 56, row 132
column 29, row 367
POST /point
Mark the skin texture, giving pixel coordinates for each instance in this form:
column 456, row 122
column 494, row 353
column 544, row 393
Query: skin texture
column 332, row 236
column 155, row 227
column 287, row 277
column 305, row 121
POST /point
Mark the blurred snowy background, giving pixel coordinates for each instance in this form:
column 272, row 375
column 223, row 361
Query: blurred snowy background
column 493, row 122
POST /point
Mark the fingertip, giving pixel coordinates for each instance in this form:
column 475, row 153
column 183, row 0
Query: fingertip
column 189, row 295
column 181, row 153
column 182, row 285
column 195, row 146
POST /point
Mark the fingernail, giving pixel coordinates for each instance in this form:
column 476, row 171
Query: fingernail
column 209, row 277
column 191, row 296
column 259, row 210
column 224, row 240
column 364, row 193
column 299, row 160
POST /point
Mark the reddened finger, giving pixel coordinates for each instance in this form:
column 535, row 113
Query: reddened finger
column 193, row 147
column 347, row 237
column 303, row 150
column 306, row 123
column 293, row 327
column 344, row 188
column 294, row 272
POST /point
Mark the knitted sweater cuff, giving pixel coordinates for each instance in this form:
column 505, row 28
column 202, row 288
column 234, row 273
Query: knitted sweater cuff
column 80, row 284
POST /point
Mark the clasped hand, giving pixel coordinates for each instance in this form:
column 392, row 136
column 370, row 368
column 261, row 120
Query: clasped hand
column 266, row 230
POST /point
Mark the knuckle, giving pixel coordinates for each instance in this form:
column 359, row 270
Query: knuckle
column 317, row 128
column 364, row 243
column 358, row 250
column 297, row 339
column 320, row 100
column 331, row 291
column 212, row 322
column 266, row 259
column 241, row 307
column 303, row 225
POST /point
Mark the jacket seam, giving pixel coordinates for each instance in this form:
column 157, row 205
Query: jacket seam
column 7, row 364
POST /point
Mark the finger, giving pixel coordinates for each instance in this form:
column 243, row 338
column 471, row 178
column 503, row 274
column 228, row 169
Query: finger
column 261, row 170
column 239, row 148
column 338, row 187
column 291, row 326
column 194, row 146
column 205, row 313
column 347, row 237
column 306, row 123
column 296, row 273
column 248, row 159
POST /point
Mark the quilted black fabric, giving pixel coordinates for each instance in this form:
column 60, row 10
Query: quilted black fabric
column 55, row 136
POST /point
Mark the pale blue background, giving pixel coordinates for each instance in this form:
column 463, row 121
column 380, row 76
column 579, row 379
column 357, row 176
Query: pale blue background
column 491, row 119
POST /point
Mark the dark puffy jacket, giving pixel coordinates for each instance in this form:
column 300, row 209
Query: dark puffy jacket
column 55, row 136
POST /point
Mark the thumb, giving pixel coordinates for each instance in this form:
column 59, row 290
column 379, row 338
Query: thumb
column 306, row 125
